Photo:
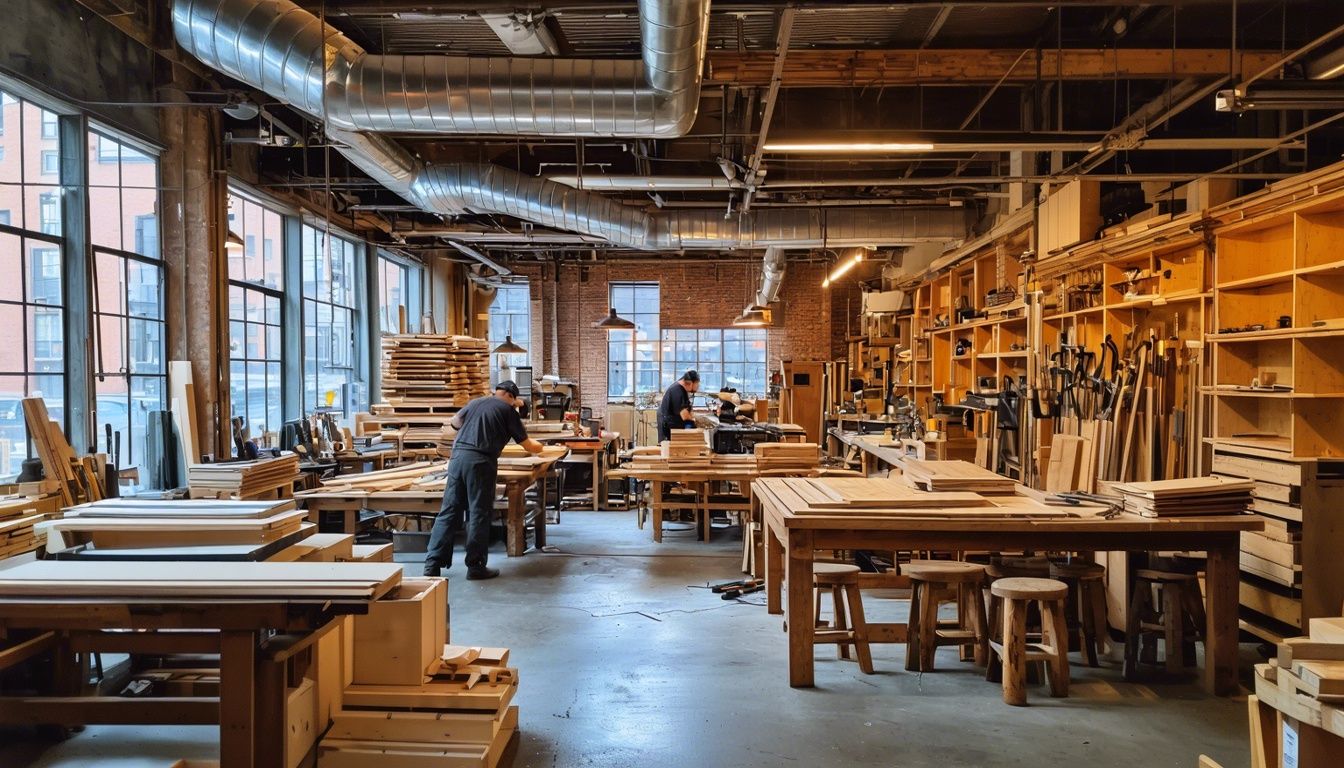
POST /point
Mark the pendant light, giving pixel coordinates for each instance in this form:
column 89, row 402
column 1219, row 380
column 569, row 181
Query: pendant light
column 508, row 348
column 614, row 322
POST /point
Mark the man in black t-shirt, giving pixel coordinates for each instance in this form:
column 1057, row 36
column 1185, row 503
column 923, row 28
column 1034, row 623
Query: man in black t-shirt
column 484, row 426
column 675, row 410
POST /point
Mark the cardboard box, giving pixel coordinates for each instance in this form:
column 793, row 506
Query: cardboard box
column 402, row 634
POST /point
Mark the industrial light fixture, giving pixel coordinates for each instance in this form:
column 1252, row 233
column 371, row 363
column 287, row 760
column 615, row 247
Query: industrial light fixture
column 614, row 322
column 752, row 317
column 1280, row 95
column 508, row 348
column 850, row 146
column 233, row 242
column 842, row 268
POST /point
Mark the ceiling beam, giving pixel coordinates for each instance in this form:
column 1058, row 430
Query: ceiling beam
column 754, row 172
column 863, row 67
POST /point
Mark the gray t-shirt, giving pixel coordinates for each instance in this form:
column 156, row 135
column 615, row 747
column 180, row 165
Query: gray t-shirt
column 487, row 425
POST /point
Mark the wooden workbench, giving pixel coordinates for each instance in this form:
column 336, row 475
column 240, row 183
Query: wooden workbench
column 699, row 480
column 238, row 610
column 515, row 477
column 595, row 449
column 795, row 531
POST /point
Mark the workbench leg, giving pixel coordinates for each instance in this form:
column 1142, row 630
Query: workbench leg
column 516, row 524
column 1221, row 629
column 269, row 722
column 237, row 697
column 597, row 480
column 800, row 619
column 774, row 570
column 350, row 521
column 705, row 514
column 540, row 534
column 656, row 504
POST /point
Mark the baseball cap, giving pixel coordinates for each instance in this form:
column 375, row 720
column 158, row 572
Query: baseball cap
column 690, row 376
column 507, row 386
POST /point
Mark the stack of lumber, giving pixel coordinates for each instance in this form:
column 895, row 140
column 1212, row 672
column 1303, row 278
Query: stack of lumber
column 18, row 517
column 461, row 716
column 78, row 478
column 785, row 456
column 955, row 476
column 881, row 497
column 1304, row 682
column 685, row 445
column 414, row 429
column 342, row 582
column 1186, row 496
column 268, row 477
column 427, row 372
column 130, row 524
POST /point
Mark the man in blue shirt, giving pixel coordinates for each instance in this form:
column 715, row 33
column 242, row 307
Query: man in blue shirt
column 484, row 426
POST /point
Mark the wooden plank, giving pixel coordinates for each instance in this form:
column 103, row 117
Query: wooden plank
column 1304, row 648
column 182, row 394
column 488, row 697
column 1279, row 607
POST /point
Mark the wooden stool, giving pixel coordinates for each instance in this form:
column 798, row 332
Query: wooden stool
column 1179, row 620
column 1085, row 609
column 1015, row 653
column 932, row 580
column 1014, row 567
column 841, row 578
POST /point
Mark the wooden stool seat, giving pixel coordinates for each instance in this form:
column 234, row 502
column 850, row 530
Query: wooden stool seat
column 931, row 582
column 945, row 571
column 1018, row 568
column 842, row 580
column 1029, row 589
column 1176, row 615
column 1085, row 610
column 1015, row 653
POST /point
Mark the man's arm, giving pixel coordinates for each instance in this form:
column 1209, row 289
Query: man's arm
column 456, row 422
column 531, row 446
column 519, row 434
column 686, row 414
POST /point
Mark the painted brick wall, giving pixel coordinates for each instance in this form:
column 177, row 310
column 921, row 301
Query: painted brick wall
column 691, row 296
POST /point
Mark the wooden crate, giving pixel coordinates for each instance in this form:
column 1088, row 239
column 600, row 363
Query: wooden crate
column 402, row 635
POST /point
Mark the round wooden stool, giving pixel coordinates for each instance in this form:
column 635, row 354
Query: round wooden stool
column 1085, row 609
column 1176, row 615
column 843, row 582
column 932, row 582
column 1015, row 653
column 1012, row 567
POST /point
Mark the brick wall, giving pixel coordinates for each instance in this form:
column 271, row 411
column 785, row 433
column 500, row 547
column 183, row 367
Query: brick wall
column 691, row 296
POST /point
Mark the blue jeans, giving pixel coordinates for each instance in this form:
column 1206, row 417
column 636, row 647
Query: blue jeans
column 471, row 491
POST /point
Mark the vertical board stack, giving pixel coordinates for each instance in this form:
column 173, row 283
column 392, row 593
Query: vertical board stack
column 424, row 372
column 415, row 700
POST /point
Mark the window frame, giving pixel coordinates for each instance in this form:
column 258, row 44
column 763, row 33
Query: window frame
column 313, row 304
column 515, row 321
column 269, row 360
column 645, row 338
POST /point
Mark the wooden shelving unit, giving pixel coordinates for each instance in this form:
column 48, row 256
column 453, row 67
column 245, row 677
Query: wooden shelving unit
column 1279, row 276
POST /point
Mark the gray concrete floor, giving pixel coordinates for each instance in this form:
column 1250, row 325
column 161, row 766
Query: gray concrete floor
column 625, row 659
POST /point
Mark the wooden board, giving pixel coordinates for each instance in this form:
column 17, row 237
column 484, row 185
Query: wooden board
column 954, row 476
column 840, row 492
column 180, row 508
column 439, row 696
column 422, row 727
column 199, row 581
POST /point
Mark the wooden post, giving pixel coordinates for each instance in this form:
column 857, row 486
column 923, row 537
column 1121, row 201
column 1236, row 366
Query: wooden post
column 237, row 697
column 799, row 577
column 1221, row 629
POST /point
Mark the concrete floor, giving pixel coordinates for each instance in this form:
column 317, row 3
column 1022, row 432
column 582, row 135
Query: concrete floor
column 626, row 659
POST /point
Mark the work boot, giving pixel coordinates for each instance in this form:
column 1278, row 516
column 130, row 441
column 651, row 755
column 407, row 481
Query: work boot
column 481, row 573
column 433, row 571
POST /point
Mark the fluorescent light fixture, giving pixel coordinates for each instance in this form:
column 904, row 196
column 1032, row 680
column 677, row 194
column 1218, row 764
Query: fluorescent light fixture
column 233, row 242
column 841, row 269
column 851, row 146
column 614, row 322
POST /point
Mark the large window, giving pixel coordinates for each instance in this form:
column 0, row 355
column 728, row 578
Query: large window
column 32, row 361
column 724, row 357
column 130, row 377
column 510, row 316
column 330, row 320
column 398, row 286
column 256, row 282
column 632, row 356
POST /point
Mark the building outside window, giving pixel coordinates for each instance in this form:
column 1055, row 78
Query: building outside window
column 398, row 286
column 256, row 284
column 633, row 356
column 131, row 376
column 330, row 321
column 32, row 361
column 510, row 315
column 724, row 357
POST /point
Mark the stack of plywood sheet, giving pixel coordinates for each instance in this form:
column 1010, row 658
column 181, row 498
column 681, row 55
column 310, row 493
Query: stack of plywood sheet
column 271, row 477
column 1186, row 496
column 686, row 445
column 785, row 456
column 428, row 372
column 130, row 524
column 18, row 517
column 955, row 476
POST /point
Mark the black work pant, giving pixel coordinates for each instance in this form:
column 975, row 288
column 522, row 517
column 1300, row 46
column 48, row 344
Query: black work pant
column 470, row 491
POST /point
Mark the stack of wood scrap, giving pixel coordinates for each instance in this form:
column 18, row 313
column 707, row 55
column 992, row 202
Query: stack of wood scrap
column 403, row 478
column 1304, row 682
column 462, row 715
column 1186, row 496
column 255, row 479
column 785, row 456
column 955, row 476
column 686, row 445
column 129, row 524
column 18, row 517
column 429, row 372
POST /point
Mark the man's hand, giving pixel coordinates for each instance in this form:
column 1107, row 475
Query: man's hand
column 532, row 446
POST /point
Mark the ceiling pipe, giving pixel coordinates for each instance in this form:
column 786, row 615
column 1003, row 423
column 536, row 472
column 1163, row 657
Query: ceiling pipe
column 772, row 276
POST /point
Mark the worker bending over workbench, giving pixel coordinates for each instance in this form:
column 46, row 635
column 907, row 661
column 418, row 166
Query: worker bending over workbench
column 675, row 410
column 484, row 426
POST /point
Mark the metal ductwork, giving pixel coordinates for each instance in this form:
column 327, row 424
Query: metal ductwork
column 284, row 50
column 288, row 52
column 772, row 276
